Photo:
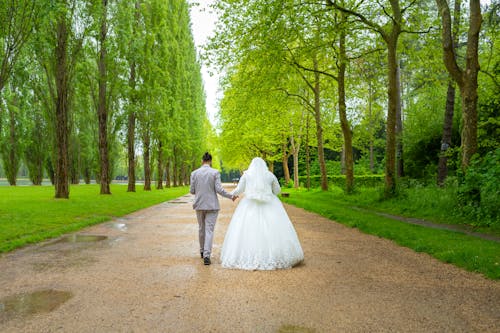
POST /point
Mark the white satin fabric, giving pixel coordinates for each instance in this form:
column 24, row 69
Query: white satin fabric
column 260, row 235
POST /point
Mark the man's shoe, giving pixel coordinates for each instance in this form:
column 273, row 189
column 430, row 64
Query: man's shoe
column 201, row 255
column 206, row 261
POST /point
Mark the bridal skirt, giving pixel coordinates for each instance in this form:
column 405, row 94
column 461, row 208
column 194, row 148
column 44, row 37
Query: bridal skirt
column 261, row 237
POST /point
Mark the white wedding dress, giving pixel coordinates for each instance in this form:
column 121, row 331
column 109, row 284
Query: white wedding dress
column 260, row 235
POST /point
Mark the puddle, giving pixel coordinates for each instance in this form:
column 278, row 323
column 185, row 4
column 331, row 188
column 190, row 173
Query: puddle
column 27, row 304
column 82, row 239
column 118, row 226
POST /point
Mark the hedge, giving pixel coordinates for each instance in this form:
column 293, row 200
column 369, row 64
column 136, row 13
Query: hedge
column 339, row 180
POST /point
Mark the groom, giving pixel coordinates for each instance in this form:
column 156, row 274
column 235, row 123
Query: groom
column 205, row 184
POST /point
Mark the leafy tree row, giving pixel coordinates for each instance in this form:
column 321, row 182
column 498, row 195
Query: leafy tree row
column 85, row 82
column 346, row 75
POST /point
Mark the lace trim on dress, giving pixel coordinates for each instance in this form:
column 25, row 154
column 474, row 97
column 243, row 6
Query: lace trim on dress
column 258, row 264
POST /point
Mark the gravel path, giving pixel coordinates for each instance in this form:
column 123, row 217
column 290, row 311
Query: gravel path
column 146, row 276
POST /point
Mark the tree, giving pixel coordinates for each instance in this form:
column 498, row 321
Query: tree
column 450, row 106
column 18, row 18
column 390, row 32
column 102, row 108
column 11, row 145
column 59, row 68
column 465, row 78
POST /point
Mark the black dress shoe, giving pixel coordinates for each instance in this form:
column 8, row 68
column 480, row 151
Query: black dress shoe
column 206, row 261
column 201, row 255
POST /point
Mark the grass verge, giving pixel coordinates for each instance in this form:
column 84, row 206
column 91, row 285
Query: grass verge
column 468, row 252
column 31, row 214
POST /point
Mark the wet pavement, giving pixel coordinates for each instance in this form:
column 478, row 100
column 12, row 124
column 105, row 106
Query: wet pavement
column 142, row 273
column 28, row 304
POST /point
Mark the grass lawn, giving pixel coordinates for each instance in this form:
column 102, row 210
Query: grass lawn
column 461, row 250
column 29, row 214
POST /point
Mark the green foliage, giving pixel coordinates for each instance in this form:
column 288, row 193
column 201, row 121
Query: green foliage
column 479, row 190
column 31, row 214
column 489, row 81
column 11, row 143
column 464, row 251
column 339, row 180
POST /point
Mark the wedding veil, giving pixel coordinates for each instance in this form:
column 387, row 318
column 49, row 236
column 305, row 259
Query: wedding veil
column 257, row 176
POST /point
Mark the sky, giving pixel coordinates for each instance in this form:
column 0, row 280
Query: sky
column 202, row 25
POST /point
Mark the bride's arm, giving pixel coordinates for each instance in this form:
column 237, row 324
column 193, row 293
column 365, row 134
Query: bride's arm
column 241, row 186
column 276, row 186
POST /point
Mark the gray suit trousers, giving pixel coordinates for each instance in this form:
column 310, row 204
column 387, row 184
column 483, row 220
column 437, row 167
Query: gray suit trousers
column 206, row 226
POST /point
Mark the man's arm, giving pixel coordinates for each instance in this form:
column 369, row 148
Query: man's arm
column 192, row 184
column 219, row 189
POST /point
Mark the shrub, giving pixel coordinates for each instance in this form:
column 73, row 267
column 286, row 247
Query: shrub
column 479, row 190
column 339, row 180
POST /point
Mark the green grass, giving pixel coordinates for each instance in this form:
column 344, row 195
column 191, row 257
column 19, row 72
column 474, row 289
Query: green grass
column 465, row 251
column 432, row 203
column 31, row 214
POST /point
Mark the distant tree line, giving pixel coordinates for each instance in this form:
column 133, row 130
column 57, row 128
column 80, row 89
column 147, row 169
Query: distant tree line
column 87, row 85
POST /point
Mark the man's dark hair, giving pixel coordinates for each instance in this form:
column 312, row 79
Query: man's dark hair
column 207, row 157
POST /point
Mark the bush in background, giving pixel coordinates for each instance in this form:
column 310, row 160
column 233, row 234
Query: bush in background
column 479, row 190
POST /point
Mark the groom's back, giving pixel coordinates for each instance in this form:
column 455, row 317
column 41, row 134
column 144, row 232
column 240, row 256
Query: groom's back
column 203, row 187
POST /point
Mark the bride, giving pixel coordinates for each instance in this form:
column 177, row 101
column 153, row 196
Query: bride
column 260, row 235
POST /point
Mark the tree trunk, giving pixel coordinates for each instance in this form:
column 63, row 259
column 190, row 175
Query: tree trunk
column 131, row 149
column 399, row 126
column 74, row 169
column 342, row 160
column 447, row 133
column 284, row 161
column 184, row 173
column 102, row 108
column 35, row 154
column 147, row 166
column 49, row 168
column 466, row 79
column 450, row 106
column 295, row 155
column 393, row 92
column 319, row 127
column 12, row 165
column 346, row 128
column 168, row 173
column 308, row 155
column 132, row 116
column 159, row 177
column 468, row 89
column 86, row 175
column 296, row 169
column 61, row 177
column 371, row 124
column 174, row 167
column 270, row 165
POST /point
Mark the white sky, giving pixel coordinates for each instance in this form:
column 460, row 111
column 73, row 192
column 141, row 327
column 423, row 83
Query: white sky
column 203, row 24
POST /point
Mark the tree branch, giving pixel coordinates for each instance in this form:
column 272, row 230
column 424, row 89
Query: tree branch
column 408, row 7
column 314, row 70
column 447, row 41
column 386, row 12
column 308, row 104
column 419, row 32
column 361, row 17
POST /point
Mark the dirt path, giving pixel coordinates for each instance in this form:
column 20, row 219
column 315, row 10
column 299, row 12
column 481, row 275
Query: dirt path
column 147, row 277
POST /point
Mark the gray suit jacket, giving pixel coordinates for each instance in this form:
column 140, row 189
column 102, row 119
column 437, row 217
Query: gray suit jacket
column 205, row 184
